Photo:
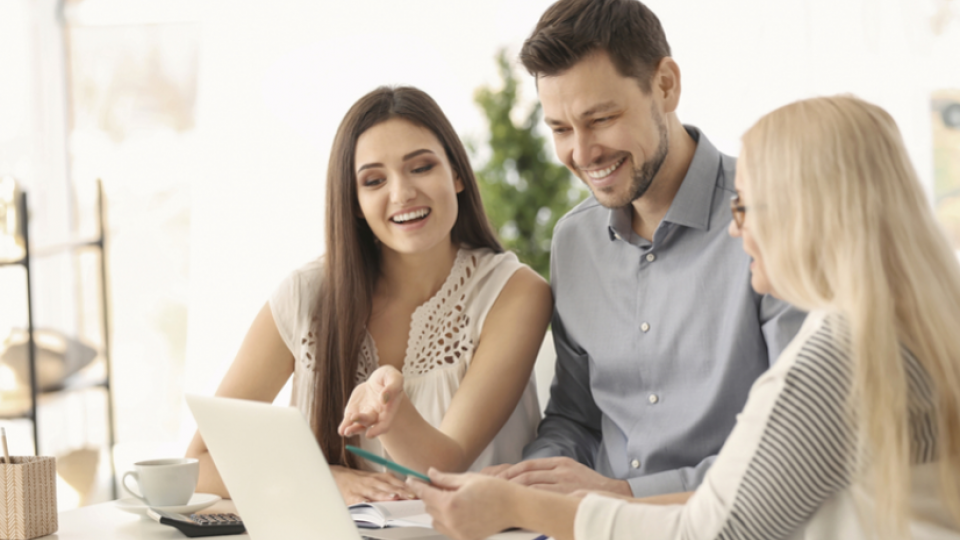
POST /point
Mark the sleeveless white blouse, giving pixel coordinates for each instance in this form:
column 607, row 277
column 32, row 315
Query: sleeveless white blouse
column 444, row 332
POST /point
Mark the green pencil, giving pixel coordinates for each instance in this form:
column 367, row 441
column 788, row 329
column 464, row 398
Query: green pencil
column 387, row 463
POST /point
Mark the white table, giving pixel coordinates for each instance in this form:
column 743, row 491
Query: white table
column 107, row 522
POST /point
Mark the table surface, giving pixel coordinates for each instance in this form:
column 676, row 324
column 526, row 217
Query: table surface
column 107, row 522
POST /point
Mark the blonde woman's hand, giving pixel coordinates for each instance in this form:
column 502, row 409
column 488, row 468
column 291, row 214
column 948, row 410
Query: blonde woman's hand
column 465, row 506
column 364, row 486
column 660, row 500
column 373, row 404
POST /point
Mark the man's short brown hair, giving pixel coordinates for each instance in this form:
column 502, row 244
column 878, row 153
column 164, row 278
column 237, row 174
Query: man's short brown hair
column 571, row 29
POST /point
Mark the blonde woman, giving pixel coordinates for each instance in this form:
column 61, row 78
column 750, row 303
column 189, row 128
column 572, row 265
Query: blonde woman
column 855, row 431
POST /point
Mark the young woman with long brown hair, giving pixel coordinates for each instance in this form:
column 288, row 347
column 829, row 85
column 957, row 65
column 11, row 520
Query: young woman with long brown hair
column 415, row 310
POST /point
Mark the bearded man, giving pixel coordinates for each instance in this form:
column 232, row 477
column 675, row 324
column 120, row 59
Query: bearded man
column 659, row 335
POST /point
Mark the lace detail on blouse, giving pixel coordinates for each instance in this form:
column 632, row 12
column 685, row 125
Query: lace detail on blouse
column 366, row 364
column 369, row 359
column 437, row 328
column 307, row 343
column 438, row 336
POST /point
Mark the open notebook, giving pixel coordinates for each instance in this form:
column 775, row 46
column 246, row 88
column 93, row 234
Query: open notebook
column 378, row 515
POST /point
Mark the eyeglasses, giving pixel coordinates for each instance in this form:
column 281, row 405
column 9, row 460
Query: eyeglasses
column 738, row 210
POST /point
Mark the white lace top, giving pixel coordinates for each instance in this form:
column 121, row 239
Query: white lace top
column 444, row 332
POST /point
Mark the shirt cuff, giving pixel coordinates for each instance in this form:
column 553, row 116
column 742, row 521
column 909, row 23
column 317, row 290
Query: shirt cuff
column 659, row 483
column 595, row 517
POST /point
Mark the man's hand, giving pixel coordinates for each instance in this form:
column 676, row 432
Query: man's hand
column 562, row 475
column 364, row 486
column 373, row 404
column 495, row 470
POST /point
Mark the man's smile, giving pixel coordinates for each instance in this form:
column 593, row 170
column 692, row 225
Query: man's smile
column 599, row 174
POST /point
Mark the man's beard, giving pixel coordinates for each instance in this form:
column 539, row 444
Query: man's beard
column 643, row 177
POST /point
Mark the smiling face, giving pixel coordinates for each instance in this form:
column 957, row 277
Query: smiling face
column 758, row 272
column 406, row 188
column 606, row 130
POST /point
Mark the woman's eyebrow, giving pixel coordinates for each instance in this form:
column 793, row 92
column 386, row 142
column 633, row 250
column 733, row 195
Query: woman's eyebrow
column 409, row 156
column 369, row 166
column 416, row 153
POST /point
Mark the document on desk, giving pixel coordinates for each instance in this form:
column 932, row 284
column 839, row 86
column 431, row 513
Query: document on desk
column 377, row 515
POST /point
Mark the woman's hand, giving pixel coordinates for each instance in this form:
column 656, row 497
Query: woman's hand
column 659, row 500
column 364, row 486
column 466, row 506
column 373, row 404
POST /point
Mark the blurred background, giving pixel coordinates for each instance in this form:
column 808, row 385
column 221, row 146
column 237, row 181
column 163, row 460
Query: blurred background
column 206, row 126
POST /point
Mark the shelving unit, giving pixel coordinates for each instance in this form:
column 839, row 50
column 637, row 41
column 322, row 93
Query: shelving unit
column 72, row 383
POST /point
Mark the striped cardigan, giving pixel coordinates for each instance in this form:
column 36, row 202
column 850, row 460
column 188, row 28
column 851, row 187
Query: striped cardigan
column 789, row 468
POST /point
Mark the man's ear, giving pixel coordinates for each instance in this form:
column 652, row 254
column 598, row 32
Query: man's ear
column 666, row 84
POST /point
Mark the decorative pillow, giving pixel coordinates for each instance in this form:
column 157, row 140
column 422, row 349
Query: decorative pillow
column 58, row 357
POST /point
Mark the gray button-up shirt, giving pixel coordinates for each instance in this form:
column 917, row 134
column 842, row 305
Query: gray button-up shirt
column 657, row 342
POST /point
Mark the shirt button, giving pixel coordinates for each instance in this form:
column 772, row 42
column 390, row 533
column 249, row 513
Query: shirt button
column 651, row 257
column 645, row 327
column 653, row 398
column 635, row 464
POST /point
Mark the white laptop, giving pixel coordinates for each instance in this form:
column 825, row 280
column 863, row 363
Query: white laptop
column 276, row 474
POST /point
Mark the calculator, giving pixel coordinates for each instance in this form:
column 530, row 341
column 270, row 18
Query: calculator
column 195, row 525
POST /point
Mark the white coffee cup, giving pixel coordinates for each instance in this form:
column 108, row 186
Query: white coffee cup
column 164, row 482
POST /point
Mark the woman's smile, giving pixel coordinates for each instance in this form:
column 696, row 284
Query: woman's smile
column 411, row 219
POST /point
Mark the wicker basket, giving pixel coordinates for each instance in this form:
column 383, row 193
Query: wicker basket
column 28, row 498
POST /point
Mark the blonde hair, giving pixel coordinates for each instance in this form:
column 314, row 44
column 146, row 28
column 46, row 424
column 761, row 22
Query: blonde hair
column 843, row 224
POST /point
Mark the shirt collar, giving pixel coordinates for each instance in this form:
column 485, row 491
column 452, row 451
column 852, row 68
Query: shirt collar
column 693, row 203
column 620, row 224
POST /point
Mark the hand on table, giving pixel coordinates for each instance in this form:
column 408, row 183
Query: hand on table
column 373, row 404
column 560, row 474
column 465, row 506
column 364, row 486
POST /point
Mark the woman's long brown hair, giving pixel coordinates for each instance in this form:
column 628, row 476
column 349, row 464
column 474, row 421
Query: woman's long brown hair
column 351, row 266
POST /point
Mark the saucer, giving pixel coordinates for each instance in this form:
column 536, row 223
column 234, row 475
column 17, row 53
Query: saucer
column 199, row 501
